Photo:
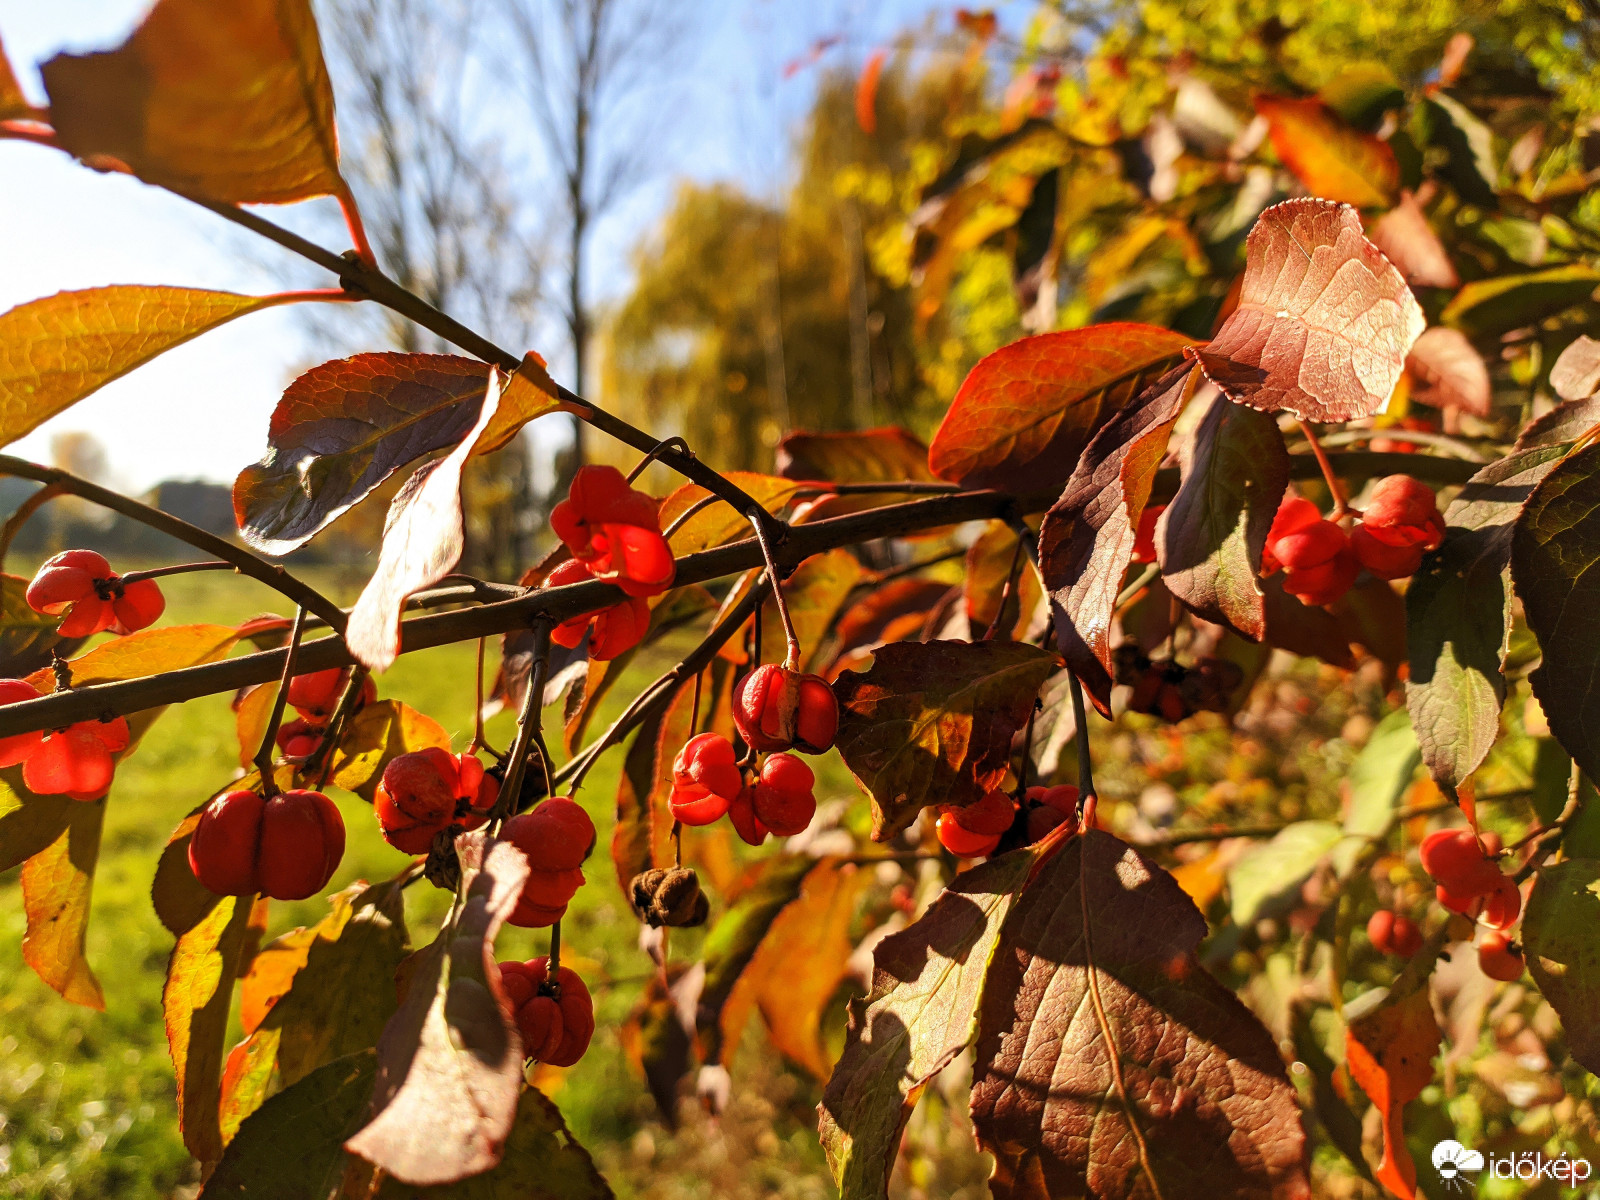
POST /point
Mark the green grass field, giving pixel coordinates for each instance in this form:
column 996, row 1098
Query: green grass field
column 87, row 1099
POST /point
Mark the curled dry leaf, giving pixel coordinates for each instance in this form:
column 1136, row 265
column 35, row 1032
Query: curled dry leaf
column 1409, row 242
column 1109, row 1063
column 1576, row 374
column 1324, row 321
column 932, row 722
column 1024, row 414
column 1086, row 541
column 920, row 1014
column 230, row 101
column 1332, row 158
column 450, row 1061
column 1390, row 1053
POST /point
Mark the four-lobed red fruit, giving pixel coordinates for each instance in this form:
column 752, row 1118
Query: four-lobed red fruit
column 315, row 695
column 556, row 835
column 612, row 631
column 616, row 530
column 779, row 709
column 285, row 846
column 1458, row 864
column 742, row 815
column 1500, row 958
column 1394, row 933
column 1319, row 565
column 1402, row 514
column 81, row 584
column 1503, row 905
column 78, row 761
column 429, row 790
column 705, row 779
column 556, row 1022
column 974, row 831
column 783, row 801
column 1048, row 807
column 299, row 738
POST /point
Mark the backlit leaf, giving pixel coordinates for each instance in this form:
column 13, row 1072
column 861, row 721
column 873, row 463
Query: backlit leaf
column 1576, row 373
column 196, row 998
column 886, row 455
column 1381, row 776
column 56, row 887
column 1390, row 1054
column 449, row 1060
column 344, row 427
column 1025, row 413
column 1448, row 372
column 231, row 101
column 1558, row 935
column 378, row 733
column 1235, row 470
column 1086, row 541
column 989, row 563
column 718, row 523
column 28, row 822
column 1458, row 617
column 1109, row 1063
column 1492, row 306
column 887, row 613
column 1333, row 159
column 921, row 1013
column 1274, row 870
column 1324, row 321
column 932, row 722
column 26, row 637
column 144, row 653
column 1554, row 548
column 1409, row 242
column 56, row 351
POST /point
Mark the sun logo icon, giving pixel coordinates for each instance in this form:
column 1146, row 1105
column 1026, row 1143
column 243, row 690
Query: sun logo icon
column 1453, row 1160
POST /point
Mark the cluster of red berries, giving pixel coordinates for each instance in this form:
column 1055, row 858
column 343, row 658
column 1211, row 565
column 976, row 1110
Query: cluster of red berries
column 1165, row 688
column 1320, row 560
column 556, row 836
column 554, row 1016
column 314, row 697
column 1470, row 882
column 78, row 761
column 286, row 846
column 613, row 532
column 428, row 791
column 775, row 710
column 1394, row 933
column 975, row 830
column 93, row 597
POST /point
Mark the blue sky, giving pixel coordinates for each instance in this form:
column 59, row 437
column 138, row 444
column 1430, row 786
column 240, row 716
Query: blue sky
column 201, row 411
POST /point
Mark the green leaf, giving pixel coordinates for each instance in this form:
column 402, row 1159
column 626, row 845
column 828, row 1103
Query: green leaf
column 1554, row 549
column 1489, row 307
column 56, row 351
column 1470, row 145
column 1558, row 934
column 1269, row 872
column 1458, row 617
column 56, row 886
column 921, row 1013
column 1381, row 775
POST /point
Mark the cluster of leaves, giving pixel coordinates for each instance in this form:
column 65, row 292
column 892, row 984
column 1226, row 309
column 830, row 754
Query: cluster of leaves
column 1107, row 1058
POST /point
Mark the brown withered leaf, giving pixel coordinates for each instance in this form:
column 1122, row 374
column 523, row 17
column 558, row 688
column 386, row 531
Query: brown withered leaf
column 1324, row 321
column 1576, row 373
column 1327, row 154
column 1024, row 413
column 1086, row 541
column 886, row 455
column 1209, row 543
column 1390, row 1053
column 344, row 427
column 1448, row 372
column 230, row 101
column 1409, row 242
column 932, row 722
column 450, row 1061
column 921, row 1013
column 1109, row 1063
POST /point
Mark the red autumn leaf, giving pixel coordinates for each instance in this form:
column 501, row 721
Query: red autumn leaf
column 231, row 101
column 1324, row 321
column 1109, row 1063
column 867, row 92
column 1024, row 414
column 887, row 613
column 1576, row 373
column 989, row 562
column 450, row 1060
column 932, row 722
column 1332, row 158
column 1409, row 242
column 1390, row 1053
column 882, row 455
column 1086, row 541
column 1449, row 373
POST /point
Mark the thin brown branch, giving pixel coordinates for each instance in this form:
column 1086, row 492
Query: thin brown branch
column 269, row 735
column 25, row 510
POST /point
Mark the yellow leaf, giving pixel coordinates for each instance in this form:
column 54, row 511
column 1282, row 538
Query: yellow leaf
column 56, row 351
column 718, row 523
column 229, row 100
column 12, row 102
column 56, row 884
column 529, row 393
column 378, row 733
column 147, row 652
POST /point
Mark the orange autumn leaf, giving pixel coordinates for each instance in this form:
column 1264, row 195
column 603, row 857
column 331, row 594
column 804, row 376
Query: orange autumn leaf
column 1390, row 1052
column 12, row 102
column 867, row 92
column 1334, row 160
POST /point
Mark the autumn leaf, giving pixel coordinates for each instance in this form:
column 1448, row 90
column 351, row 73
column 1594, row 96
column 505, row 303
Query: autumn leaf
column 1324, row 321
column 12, row 102
column 344, row 427
column 1576, row 373
column 887, row 613
column 1554, row 547
column 56, row 887
column 196, row 998
column 1235, row 471
column 1458, row 617
column 56, row 351
column 1563, row 957
column 450, row 1060
column 657, row 1035
column 1493, row 306
column 1109, row 1063
column 144, row 653
column 1390, row 1053
column 886, row 455
column 719, row 523
column 932, row 722
column 232, row 102
column 867, row 92
column 27, row 638
column 28, row 822
column 920, row 1014
column 1086, row 540
column 375, row 736
column 1409, row 242
column 633, row 835
column 1024, row 414
column 1449, row 373
column 1333, row 159
column 989, row 562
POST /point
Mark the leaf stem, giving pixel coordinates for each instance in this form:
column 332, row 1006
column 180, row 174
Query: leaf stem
column 792, row 657
column 663, row 445
column 1341, row 506
column 269, row 736
column 178, row 569
column 1080, row 718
